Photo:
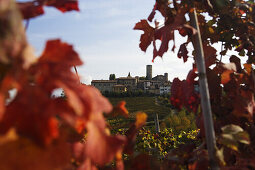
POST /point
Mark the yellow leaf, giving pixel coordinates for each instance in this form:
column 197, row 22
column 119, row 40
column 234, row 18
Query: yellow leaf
column 211, row 30
column 140, row 119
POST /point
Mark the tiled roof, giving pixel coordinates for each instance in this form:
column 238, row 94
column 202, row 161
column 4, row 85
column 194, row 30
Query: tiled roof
column 104, row 81
column 126, row 78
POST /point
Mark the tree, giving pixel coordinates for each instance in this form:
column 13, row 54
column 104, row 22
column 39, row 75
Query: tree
column 112, row 77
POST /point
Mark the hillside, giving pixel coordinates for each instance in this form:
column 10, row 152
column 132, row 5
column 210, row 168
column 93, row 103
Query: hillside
column 138, row 104
column 144, row 104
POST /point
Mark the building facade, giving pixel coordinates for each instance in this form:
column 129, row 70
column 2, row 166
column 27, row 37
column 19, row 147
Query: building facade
column 104, row 85
column 158, row 85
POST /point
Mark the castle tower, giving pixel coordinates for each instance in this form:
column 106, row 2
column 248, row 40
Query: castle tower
column 166, row 76
column 149, row 72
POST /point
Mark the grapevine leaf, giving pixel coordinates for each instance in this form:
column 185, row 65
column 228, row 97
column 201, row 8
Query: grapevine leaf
column 244, row 104
column 57, row 51
column 100, row 147
column 210, row 55
column 183, row 52
column 38, row 124
column 35, row 8
column 183, row 93
column 64, row 5
column 120, row 109
column 147, row 37
column 215, row 90
column 30, row 9
column 24, row 154
column 131, row 132
column 165, row 33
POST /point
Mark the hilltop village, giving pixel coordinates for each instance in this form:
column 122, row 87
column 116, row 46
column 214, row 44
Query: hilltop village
column 157, row 85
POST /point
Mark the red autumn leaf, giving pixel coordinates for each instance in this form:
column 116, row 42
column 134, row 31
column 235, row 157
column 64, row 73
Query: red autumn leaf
column 35, row 8
column 38, row 115
column 244, row 104
column 132, row 131
column 100, row 147
column 30, row 9
column 183, row 52
column 183, row 93
column 53, row 67
column 210, row 55
column 63, row 5
column 61, row 53
column 147, row 37
column 120, row 109
column 163, row 8
column 214, row 81
column 24, row 154
column 165, row 33
column 89, row 103
column 53, row 71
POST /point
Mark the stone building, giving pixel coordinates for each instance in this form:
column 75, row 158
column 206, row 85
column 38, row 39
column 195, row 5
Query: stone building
column 157, row 85
column 165, row 88
column 104, row 85
column 129, row 82
column 119, row 88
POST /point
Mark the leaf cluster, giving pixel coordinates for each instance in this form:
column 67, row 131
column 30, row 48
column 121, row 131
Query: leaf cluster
column 231, row 85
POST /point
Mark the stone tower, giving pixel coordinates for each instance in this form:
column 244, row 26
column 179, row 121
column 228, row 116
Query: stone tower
column 149, row 72
column 166, row 76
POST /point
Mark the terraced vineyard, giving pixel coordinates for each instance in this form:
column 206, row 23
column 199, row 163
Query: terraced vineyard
column 139, row 104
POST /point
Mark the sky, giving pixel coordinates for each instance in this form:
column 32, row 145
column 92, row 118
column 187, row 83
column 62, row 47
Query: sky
column 102, row 33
